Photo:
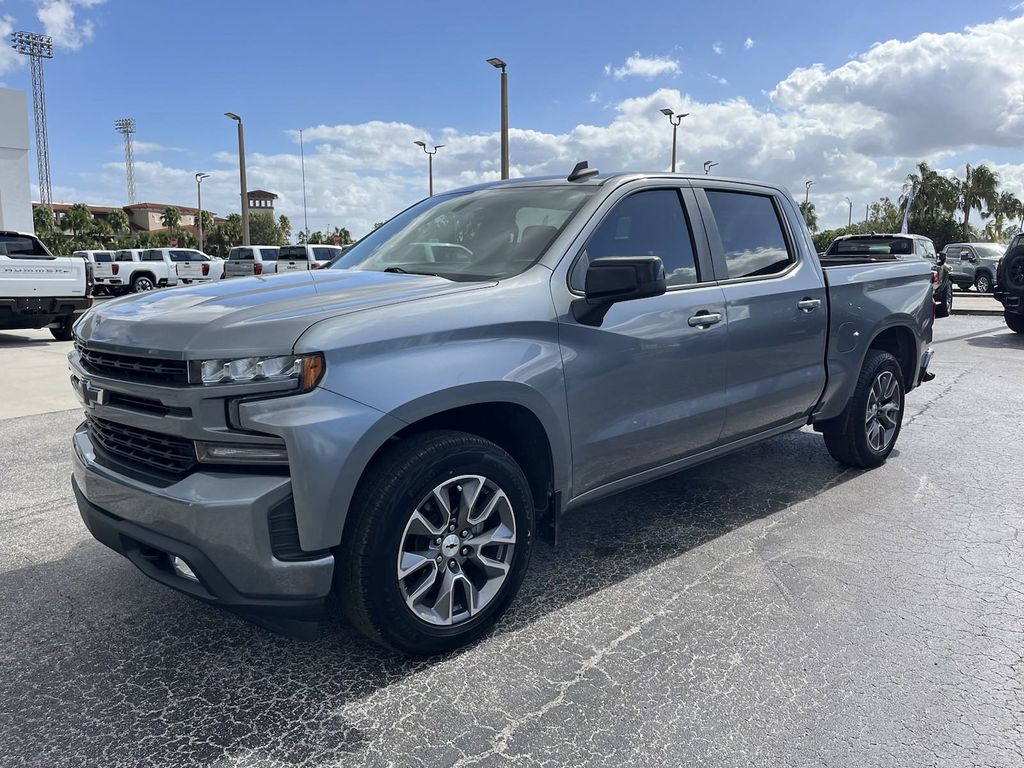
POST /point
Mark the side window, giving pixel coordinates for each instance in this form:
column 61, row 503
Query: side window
column 180, row 256
column 751, row 233
column 321, row 254
column 651, row 223
column 151, row 256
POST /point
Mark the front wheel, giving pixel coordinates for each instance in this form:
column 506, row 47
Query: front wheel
column 866, row 432
column 983, row 283
column 441, row 537
column 1014, row 321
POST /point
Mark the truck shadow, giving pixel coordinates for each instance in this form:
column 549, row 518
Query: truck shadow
column 1007, row 340
column 113, row 669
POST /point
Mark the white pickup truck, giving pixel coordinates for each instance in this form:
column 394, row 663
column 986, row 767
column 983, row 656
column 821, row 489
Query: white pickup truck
column 143, row 269
column 38, row 289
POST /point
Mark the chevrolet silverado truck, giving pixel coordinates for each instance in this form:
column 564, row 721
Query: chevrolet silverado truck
column 394, row 430
column 38, row 289
column 1010, row 284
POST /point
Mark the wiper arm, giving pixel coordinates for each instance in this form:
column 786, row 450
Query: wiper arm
column 399, row 270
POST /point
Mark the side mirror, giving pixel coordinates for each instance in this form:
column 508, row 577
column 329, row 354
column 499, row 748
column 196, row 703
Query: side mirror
column 618, row 278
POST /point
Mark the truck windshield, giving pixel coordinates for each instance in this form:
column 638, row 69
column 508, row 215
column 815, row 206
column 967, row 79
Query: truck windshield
column 23, row 247
column 482, row 235
column 872, row 246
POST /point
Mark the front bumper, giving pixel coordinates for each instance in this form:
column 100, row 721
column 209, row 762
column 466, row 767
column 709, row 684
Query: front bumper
column 218, row 523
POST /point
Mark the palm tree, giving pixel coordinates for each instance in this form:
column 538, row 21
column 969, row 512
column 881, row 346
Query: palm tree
column 42, row 220
column 810, row 215
column 118, row 221
column 78, row 218
column 171, row 217
column 285, row 225
column 934, row 195
column 980, row 187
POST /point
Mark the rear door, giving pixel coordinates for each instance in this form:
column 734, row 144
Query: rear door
column 776, row 305
column 647, row 385
column 239, row 263
column 292, row 258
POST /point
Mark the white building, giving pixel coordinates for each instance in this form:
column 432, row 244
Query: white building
column 15, row 189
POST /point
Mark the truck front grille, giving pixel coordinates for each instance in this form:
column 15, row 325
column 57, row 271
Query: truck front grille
column 133, row 367
column 167, row 453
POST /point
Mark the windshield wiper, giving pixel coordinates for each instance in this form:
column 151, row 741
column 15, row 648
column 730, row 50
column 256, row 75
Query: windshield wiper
column 399, row 270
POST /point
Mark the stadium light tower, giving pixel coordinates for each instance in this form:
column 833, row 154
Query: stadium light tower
column 37, row 48
column 126, row 126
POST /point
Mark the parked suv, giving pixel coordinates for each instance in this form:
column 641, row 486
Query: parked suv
column 244, row 261
column 973, row 264
column 396, row 429
column 1010, row 284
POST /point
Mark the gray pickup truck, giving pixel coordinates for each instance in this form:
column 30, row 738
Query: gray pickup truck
column 396, row 429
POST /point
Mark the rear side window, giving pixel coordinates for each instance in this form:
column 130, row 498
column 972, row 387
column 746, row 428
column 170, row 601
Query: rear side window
column 103, row 256
column 123, row 256
column 650, row 223
column 268, row 254
column 751, row 232
column 240, row 254
column 22, row 246
column 151, row 256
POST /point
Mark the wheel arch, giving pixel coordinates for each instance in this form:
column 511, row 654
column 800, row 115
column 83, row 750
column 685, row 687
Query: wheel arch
column 900, row 342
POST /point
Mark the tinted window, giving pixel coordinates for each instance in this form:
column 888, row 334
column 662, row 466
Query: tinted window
column 240, row 254
column 293, row 252
column 268, row 254
column 751, row 233
column 324, row 254
column 123, row 256
column 103, row 256
column 647, row 224
column 151, row 256
column 22, row 246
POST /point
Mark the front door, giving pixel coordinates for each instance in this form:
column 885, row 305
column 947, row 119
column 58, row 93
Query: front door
column 777, row 311
column 647, row 385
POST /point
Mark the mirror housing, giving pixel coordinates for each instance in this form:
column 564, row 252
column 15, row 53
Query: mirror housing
column 618, row 278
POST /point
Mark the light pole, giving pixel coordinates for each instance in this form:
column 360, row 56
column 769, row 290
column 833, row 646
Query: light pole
column 849, row 221
column 241, row 177
column 807, row 191
column 199, row 194
column 499, row 64
column 302, row 161
column 708, row 165
column 430, row 164
column 675, row 120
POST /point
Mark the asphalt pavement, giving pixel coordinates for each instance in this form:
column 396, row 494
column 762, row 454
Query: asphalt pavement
column 771, row 608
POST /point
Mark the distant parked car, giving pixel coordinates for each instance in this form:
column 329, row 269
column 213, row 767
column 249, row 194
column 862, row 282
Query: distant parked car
column 244, row 261
column 973, row 264
column 298, row 258
column 900, row 247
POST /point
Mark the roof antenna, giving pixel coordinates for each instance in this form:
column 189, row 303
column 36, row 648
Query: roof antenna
column 582, row 171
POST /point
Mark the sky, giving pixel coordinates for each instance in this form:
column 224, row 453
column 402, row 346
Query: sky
column 850, row 95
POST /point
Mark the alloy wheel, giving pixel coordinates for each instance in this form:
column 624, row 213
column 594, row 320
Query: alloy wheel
column 456, row 550
column 143, row 284
column 984, row 284
column 883, row 411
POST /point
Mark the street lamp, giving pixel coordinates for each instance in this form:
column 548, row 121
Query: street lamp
column 430, row 164
column 676, row 120
column 708, row 165
column 807, row 191
column 241, row 177
column 499, row 64
column 199, row 194
column 849, row 202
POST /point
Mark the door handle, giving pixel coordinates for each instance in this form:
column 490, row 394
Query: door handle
column 808, row 305
column 704, row 318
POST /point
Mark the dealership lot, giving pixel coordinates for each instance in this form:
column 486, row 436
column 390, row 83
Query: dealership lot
column 769, row 608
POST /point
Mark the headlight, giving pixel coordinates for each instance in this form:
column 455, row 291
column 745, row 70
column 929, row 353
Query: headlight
column 307, row 369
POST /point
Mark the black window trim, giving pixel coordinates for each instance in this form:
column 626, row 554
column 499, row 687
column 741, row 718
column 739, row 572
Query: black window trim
column 718, row 255
column 702, row 259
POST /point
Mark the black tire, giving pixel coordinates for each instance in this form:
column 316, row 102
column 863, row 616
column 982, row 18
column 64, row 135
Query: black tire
column 62, row 332
column 396, row 484
column 1011, row 273
column 847, row 440
column 1014, row 321
column 983, row 282
column 945, row 306
column 142, row 283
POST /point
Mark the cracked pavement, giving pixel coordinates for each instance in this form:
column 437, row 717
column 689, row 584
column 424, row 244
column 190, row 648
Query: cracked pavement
column 769, row 608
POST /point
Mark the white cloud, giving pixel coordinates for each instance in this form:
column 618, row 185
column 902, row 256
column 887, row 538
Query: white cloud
column 593, row 98
column 717, row 78
column 644, row 66
column 59, row 21
column 748, row 43
column 152, row 147
column 9, row 59
column 857, row 130
column 718, row 49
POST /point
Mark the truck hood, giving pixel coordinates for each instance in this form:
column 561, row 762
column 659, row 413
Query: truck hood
column 250, row 315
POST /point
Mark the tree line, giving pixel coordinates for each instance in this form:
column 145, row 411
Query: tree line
column 79, row 230
column 941, row 208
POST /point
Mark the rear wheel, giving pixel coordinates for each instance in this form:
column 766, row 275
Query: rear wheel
column 443, row 527
column 141, row 283
column 62, row 332
column 983, row 283
column 1014, row 321
column 866, row 433
column 945, row 306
